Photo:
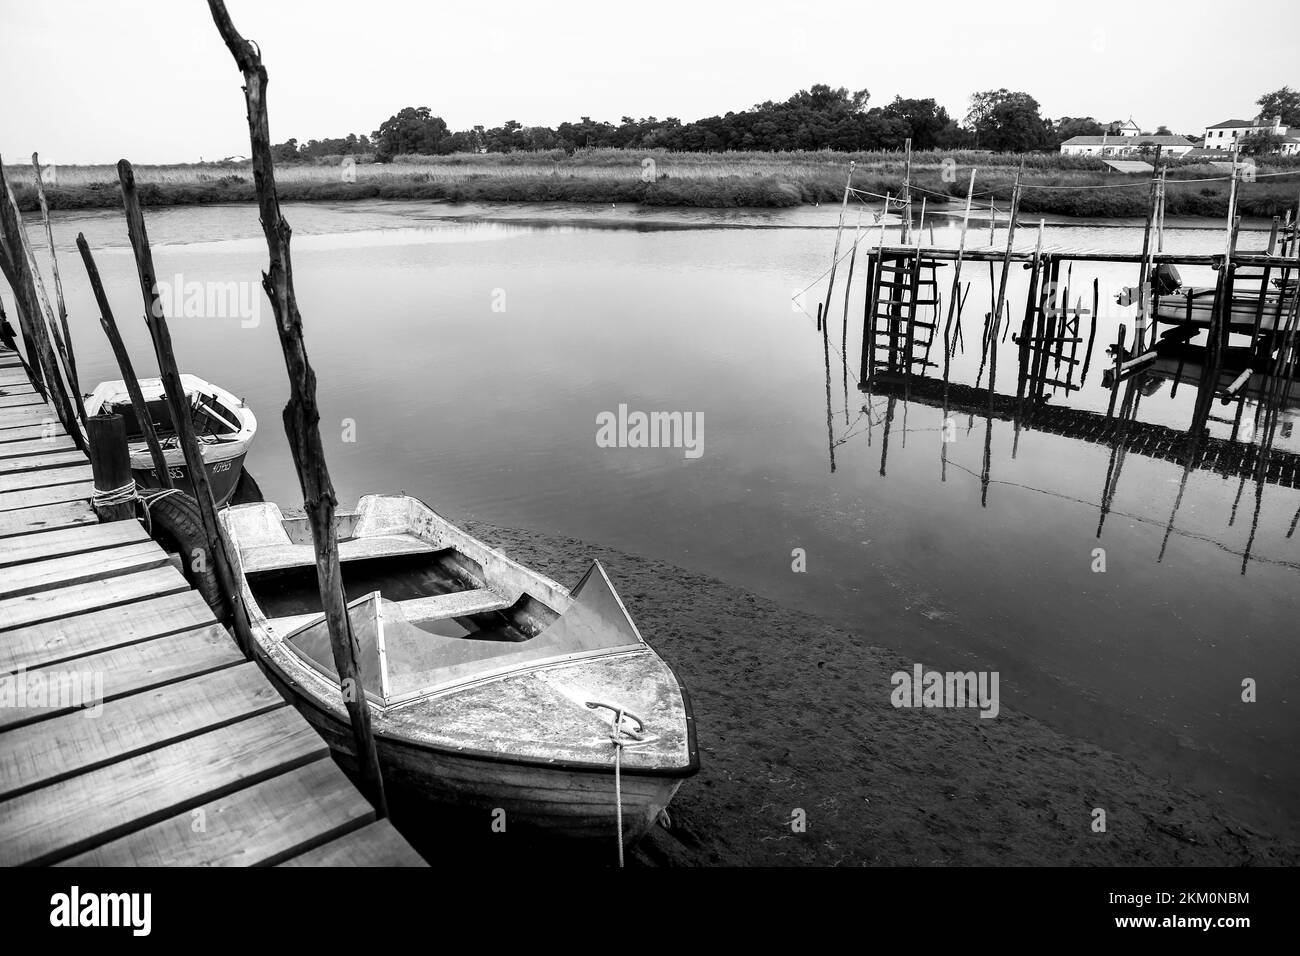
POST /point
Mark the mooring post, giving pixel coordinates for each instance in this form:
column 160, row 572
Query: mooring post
column 110, row 465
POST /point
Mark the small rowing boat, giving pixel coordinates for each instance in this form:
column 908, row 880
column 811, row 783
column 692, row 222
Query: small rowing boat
column 489, row 685
column 225, row 427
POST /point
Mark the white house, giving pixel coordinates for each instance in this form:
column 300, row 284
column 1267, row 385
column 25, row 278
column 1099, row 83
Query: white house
column 1130, row 128
column 1229, row 133
column 1125, row 144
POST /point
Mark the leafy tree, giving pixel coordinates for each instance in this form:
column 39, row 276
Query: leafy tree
column 1284, row 102
column 1008, row 121
column 926, row 120
column 286, row 152
column 1260, row 143
column 413, row 130
column 1163, row 130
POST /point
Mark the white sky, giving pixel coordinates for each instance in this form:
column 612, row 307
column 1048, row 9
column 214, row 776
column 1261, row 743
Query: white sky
column 90, row 82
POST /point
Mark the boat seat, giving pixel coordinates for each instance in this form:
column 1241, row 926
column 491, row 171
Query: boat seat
column 440, row 607
column 275, row 556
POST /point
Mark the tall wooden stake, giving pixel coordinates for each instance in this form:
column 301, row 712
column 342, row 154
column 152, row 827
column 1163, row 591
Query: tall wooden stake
column 301, row 414
column 218, row 552
column 839, row 231
column 69, row 356
column 16, row 264
column 124, row 365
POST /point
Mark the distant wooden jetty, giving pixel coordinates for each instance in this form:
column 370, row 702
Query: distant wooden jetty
column 194, row 758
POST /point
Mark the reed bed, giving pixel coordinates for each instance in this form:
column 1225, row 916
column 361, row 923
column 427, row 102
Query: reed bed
column 1059, row 185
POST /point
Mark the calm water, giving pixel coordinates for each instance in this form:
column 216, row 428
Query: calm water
column 492, row 414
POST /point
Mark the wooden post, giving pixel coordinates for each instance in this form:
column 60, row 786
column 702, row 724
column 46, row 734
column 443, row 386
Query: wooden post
column 124, row 365
column 1002, row 286
column 68, row 355
column 301, row 414
column 835, row 255
column 955, row 295
column 16, row 264
column 907, row 194
column 218, row 553
column 110, row 464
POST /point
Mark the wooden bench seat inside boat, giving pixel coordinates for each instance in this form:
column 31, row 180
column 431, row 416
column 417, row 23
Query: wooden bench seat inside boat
column 438, row 607
column 276, row 556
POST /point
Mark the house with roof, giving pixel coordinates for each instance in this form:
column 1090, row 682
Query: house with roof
column 1126, row 144
column 1229, row 134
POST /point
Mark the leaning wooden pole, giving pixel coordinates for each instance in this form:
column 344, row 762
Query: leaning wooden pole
column 17, row 267
column 124, row 365
column 70, row 357
column 1002, row 285
column 301, row 414
column 218, row 552
column 839, row 231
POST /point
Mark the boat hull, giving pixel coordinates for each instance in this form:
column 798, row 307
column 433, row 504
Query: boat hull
column 223, row 476
column 555, row 800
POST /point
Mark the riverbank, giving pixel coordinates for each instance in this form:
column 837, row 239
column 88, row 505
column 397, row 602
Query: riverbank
column 1066, row 186
column 794, row 714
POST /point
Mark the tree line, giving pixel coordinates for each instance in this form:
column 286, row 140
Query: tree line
column 818, row 118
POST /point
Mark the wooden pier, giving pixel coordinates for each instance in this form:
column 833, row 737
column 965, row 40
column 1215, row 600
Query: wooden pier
column 132, row 729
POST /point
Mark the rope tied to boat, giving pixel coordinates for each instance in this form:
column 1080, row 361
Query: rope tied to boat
column 622, row 737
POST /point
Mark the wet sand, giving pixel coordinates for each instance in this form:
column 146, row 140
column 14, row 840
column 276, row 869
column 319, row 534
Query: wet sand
column 794, row 714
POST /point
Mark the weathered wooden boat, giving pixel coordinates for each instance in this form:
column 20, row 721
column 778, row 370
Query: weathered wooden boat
column 490, row 686
column 225, row 427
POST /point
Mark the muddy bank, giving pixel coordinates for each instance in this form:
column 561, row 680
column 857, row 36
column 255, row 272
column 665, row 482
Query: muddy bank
column 795, row 715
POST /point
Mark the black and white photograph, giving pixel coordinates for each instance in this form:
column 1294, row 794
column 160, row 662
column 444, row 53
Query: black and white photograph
column 477, row 441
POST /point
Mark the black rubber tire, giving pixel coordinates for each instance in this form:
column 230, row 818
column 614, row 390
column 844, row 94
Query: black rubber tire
column 175, row 523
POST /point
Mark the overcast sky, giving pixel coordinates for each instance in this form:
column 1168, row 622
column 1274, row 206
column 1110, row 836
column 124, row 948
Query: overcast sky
column 90, row 81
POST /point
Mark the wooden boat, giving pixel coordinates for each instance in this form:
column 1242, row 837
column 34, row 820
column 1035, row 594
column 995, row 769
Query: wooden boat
column 489, row 685
column 225, row 427
column 1196, row 306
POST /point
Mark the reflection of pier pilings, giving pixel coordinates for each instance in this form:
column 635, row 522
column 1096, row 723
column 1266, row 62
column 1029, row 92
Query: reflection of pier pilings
column 1150, row 440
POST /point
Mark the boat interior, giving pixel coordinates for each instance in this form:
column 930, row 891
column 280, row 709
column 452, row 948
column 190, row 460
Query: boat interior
column 212, row 420
column 430, row 606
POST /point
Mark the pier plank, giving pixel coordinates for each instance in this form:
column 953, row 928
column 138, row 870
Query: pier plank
column 37, row 446
column 80, row 598
column 56, row 544
column 72, row 816
column 45, row 752
column 46, row 477
column 48, row 495
column 259, row 825
column 40, row 431
column 375, row 845
column 23, row 416
column 98, row 631
column 137, row 667
column 9, row 466
column 20, row 579
column 19, row 397
column 46, row 518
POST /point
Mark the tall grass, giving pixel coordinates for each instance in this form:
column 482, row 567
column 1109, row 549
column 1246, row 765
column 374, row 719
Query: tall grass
column 1062, row 185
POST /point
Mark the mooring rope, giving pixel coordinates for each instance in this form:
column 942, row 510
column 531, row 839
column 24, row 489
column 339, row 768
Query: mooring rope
column 117, row 496
column 622, row 738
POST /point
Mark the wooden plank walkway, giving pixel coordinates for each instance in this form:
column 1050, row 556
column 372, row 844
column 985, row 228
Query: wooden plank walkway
column 132, row 729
